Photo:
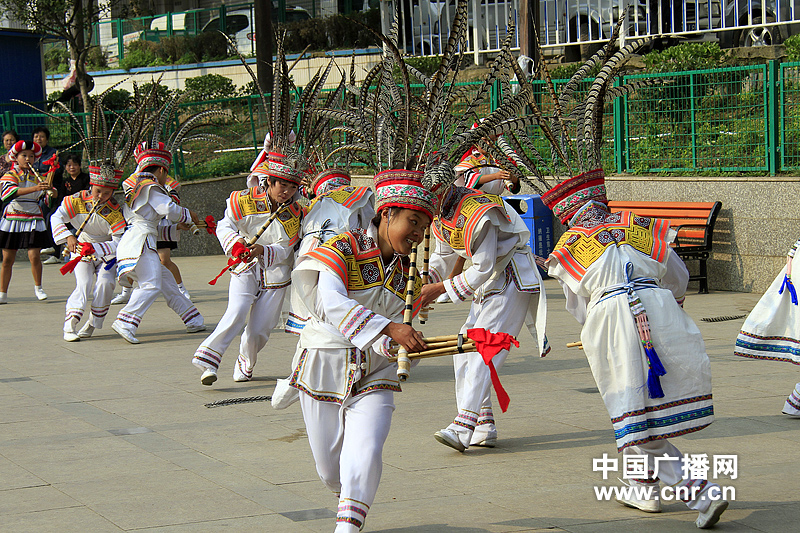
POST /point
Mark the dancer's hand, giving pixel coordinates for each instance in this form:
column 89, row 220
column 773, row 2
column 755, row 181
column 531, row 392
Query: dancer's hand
column 405, row 336
column 430, row 292
column 72, row 244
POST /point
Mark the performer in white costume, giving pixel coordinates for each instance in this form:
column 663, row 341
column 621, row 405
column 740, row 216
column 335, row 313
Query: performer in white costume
column 259, row 282
column 337, row 208
column 102, row 231
column 626, row 286
column 772, row 329
column 146, row 203
column 353, row 288
column 506, row 291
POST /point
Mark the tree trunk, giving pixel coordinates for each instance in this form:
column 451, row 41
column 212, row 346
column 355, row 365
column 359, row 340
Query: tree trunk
column 79, row 49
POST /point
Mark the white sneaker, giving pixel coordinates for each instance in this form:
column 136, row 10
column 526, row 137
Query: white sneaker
column 208, row 377
column 86, row 331
column 71, row 336
column 40, row 293
column 48, row 251
column 52, row 260
column 195, row 329
column 647, row 506
column 3, row 298
column 484, row 440
column 124, row 333
column 240, row 371
column 448, row 437
column 121, row 298
column 711, row 515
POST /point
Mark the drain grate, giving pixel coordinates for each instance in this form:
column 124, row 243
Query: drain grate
column 234, row 401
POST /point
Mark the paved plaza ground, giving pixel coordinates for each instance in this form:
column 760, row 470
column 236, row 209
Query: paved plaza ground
column 101, row 435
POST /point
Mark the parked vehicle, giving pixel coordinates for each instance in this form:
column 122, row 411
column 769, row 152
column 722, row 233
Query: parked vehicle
column 777, row 19
column 239, row 25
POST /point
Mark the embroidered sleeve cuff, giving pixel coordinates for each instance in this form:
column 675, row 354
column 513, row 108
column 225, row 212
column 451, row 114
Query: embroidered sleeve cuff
column 60, row 233
column 458, row 289
column 227, row 241
column 9, row 192
column 362, row 326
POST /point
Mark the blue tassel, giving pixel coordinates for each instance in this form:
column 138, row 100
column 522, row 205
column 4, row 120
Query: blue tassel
column 110, row 264
column 788, row 285
column 656, row 369
column 654, row 385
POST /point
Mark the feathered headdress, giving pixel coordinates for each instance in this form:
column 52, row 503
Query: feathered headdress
column 109, row 148
column 161, row 145
column 287, row 157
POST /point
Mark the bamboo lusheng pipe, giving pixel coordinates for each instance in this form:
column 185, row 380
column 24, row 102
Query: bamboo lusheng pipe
column 426, row 259
column 578, row 345
column 50, row 192
column 431, row 346
column 469, row 347
column 95, row 208
column 403, row 361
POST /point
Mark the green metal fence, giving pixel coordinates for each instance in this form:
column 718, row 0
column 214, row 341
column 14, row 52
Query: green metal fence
column 789, row 116
column 698, row 120
column 722, row 120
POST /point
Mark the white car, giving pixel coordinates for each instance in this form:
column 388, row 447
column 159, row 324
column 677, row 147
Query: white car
column 239, row 25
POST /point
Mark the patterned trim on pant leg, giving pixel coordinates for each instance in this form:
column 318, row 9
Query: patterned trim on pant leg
column 466, row 419
column 241, row 363
column 133, row 320
column 190, row 315
column 206, row 357
column 99, row 312
column 352, row 512
column 486, row 416
column 74, row 314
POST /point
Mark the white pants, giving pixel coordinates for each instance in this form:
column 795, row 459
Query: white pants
column 670, row 472
column 347, row 443
column 102, row 289
column 792, row 405
column 505, row 312
column 264, row 307
column 153, row 279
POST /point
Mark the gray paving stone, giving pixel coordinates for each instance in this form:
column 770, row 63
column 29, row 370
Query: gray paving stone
column 103, row 436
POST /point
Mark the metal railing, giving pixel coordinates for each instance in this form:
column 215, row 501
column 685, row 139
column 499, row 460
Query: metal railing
column 577, row 27
column 738, row 119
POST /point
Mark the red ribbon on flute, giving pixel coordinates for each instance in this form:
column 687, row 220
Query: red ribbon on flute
column 211, row 225
column 488, row 345
column 237, row 251
column 86, row 250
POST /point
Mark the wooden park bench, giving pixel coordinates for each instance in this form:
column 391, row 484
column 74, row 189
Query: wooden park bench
column 694, row 222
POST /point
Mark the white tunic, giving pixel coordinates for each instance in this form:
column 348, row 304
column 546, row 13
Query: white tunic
column 484, row 229
column 146, row 204
column 341, row 349
column 596, row 262
column 103, row 229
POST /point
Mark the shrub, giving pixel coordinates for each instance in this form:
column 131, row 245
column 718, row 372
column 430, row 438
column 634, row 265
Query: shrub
column 685, row 56
column 139, row 54
column 117, row 99
column 792, row 45
column 56, row 60
column 96, row 59
column 209, row 87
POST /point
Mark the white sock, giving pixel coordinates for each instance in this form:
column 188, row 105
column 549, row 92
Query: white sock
column 3, row 294
column 37, row 287
column 181, row 287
